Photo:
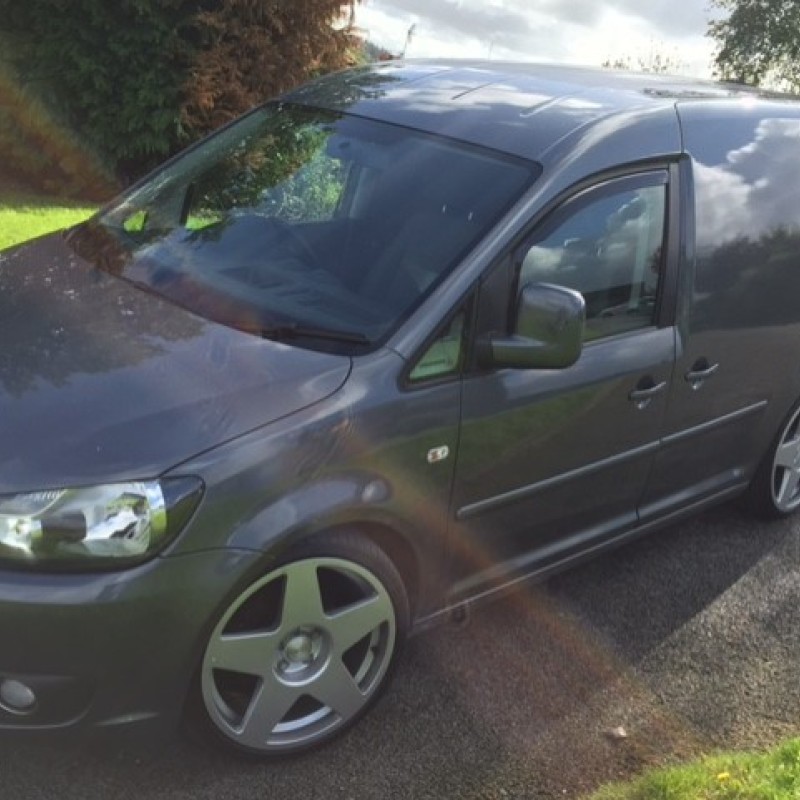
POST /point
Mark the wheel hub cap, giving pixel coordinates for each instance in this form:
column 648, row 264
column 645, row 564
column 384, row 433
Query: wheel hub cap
column 299, row 649
column 302, row 655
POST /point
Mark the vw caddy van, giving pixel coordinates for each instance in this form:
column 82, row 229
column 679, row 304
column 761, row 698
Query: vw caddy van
column 393, row 343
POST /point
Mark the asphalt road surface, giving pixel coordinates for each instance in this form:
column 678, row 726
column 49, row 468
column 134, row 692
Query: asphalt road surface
column 688, row 639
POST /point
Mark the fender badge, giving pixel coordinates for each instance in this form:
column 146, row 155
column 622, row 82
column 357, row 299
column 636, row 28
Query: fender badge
column 438, row 454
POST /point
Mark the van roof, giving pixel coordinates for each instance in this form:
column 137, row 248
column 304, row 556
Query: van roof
column 521, row 109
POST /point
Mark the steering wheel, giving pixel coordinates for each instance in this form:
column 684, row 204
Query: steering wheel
column 297, row 243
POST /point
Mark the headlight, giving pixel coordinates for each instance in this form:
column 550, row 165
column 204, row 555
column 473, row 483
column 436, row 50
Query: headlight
column 96, row 526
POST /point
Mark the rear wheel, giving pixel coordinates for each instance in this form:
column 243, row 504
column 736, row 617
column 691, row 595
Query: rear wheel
column 305, row 650
column 775, row 490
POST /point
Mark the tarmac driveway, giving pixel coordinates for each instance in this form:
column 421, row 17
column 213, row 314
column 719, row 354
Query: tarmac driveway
column 688, row 640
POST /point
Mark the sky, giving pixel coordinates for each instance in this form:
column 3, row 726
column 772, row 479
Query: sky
column 567, row 31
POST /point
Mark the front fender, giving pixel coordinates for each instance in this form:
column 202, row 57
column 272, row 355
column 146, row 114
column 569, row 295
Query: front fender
column 359, row 459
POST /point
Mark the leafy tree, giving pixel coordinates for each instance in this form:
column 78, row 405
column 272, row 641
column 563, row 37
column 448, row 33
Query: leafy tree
column 371, row 52
column 138, row 79
column 759, row 42
column 249, row 50
column 114, row 70
column 38, row 151
column 657, row 62
column 299, row 182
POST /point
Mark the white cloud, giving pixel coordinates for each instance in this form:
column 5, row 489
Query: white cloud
column 569, row 31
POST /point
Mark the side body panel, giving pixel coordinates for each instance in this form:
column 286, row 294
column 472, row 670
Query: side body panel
column 739, row 325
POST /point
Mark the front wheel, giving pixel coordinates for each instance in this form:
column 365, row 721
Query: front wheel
column 305, row 650
column 775, row 490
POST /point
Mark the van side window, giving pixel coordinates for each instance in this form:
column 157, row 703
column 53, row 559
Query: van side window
column 608, row 244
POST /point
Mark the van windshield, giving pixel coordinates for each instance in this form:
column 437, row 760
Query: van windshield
column 307, row 224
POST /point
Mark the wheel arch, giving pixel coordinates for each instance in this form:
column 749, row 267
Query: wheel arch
column 400, row 551
column 389, row 539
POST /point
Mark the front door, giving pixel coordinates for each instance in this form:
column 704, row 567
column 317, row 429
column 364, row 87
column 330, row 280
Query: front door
column 553, row 461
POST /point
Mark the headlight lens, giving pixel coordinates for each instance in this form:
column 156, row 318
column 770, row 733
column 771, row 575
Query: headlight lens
column 95, row 526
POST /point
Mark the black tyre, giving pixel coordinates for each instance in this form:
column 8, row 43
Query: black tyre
column 302, row 653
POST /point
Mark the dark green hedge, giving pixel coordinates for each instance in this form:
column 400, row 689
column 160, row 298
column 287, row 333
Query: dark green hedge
column 114, row 69
column 39, row 154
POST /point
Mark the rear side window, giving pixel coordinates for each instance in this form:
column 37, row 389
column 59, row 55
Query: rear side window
column 746, row 174
column 608, row 244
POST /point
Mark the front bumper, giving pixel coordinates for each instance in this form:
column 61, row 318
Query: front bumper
column 111, row 650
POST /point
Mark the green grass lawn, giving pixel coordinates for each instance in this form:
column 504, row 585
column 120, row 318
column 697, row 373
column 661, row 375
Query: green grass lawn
column 23, row 218
column 774, row 775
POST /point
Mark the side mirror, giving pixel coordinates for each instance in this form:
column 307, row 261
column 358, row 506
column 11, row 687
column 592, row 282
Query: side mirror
column 548, row 332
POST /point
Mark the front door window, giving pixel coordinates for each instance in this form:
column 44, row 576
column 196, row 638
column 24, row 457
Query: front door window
column 608, row 245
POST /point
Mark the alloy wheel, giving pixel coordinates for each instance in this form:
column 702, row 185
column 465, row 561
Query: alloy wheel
column 299, row 654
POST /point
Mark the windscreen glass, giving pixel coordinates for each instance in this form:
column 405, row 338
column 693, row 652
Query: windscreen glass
column 307, row 224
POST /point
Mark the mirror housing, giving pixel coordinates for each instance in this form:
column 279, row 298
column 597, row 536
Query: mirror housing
column 548, row 331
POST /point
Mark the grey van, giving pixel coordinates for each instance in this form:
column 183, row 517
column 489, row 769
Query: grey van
column 387, row 346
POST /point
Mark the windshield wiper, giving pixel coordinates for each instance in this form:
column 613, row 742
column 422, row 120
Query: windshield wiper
column 295, row 331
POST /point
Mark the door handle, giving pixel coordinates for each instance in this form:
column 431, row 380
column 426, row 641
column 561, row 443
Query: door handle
column 700, row 373
column 643, row 397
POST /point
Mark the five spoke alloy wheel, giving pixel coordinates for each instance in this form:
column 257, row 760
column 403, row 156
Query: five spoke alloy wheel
column 303, row 651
